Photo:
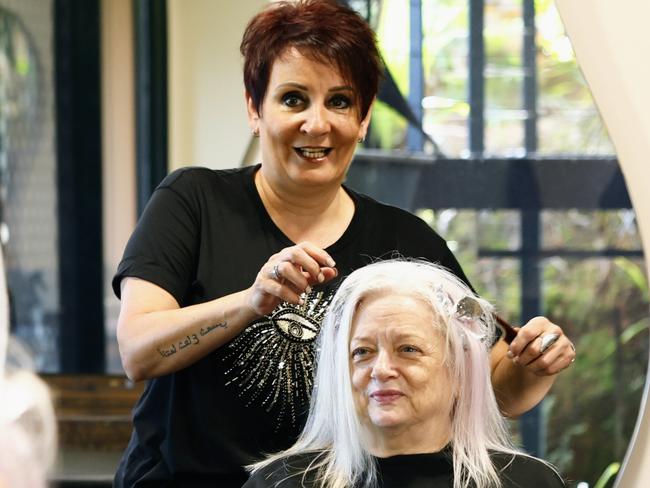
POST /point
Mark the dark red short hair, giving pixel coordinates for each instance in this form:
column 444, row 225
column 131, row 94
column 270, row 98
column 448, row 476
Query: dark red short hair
column 321, row 29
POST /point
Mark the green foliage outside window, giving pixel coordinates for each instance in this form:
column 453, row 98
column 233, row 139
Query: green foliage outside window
column 602, row 303
column 568, row 122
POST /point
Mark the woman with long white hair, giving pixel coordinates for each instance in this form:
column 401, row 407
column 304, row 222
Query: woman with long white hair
column 403, row 395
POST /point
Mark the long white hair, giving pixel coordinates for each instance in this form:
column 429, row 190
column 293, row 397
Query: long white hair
column 333, row 429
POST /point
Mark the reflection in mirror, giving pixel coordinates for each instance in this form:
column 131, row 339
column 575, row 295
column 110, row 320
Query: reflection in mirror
column 580, row 265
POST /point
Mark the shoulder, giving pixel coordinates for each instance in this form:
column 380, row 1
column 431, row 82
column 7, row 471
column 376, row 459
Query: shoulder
column 390, row 232
column 520, row 470
column 369, row 204
column 197, row 188
column 198, row 176
column 389, row 217
column 287, row 472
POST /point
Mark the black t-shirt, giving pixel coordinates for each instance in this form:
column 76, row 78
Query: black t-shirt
column 205, row 234
column 412, row 471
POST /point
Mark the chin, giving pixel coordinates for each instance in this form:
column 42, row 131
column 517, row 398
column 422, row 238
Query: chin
column 318, row 177
column 328, row 167
column 386, row 420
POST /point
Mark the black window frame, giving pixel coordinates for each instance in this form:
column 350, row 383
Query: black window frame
column 529, row 184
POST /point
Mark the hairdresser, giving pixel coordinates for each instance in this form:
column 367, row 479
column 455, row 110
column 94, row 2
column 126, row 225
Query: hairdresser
column 226, row 278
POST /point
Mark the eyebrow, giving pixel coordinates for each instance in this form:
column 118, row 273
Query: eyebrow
column 294, row 84
column 399, row 337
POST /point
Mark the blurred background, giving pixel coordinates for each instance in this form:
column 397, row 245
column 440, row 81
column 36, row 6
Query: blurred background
column 485, row 128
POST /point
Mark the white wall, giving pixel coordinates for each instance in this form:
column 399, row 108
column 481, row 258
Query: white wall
column 207, row 114
column 118, row 149
column 612, row 43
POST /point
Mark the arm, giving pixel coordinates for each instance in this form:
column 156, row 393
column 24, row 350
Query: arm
column 157, row 337
column 521, row 374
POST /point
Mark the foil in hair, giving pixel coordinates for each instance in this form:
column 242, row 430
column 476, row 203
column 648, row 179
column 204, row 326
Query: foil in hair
column 444, row 300
column 467, row 309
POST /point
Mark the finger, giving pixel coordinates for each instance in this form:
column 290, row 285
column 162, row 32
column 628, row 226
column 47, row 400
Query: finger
column 537, row 360
column 280, row 290
column 309, row 257
column 552, row 361
column 566, row 356
column 572, row 353
column 327, row 274
column 553, row 364
column 530, row 332
column 298, row 290
column 300, row 258
column 274, row 273
column 292, row 276
column 538, row 347
column 320, row 255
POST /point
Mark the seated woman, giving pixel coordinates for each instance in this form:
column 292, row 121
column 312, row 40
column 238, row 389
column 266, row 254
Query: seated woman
column 402, row 395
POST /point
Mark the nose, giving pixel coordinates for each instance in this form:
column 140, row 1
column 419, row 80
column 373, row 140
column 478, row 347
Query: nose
column 383, row 368
column 316, row 121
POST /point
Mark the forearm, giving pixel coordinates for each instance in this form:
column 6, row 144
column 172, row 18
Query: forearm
column 518, row 389
column 161, row 342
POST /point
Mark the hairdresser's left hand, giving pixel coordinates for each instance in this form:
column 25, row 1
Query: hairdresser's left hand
column 542, row 348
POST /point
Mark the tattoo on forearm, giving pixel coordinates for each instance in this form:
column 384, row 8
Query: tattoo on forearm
column 207, row 330
column 191, row 339
column 167, row 352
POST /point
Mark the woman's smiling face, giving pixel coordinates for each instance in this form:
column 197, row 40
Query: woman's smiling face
column 308, row 123
column 399, row 378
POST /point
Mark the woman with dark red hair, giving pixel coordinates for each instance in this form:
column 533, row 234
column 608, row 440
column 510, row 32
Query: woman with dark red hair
column 228, row 274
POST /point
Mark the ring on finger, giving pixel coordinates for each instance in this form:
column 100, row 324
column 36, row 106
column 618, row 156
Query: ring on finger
column 275, row 272
column 547, row 341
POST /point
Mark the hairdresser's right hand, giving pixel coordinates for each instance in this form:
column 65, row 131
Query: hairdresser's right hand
column 288, row 274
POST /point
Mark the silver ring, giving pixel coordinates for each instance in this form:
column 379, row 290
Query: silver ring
column 547, row 341
column 275, row 272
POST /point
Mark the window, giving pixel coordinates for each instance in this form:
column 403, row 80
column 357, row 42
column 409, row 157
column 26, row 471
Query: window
column 527, row 191
column 50, row 179
column 28, row 198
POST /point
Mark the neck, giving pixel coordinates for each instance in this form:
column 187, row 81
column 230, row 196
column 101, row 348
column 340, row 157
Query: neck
column 299, row 201
column 386, row 442
column 319, row 215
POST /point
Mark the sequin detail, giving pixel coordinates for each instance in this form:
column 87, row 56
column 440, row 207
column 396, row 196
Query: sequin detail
column 273, row 358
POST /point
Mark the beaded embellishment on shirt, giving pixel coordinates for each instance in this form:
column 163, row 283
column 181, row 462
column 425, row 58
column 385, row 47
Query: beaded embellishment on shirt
column 273, row 358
